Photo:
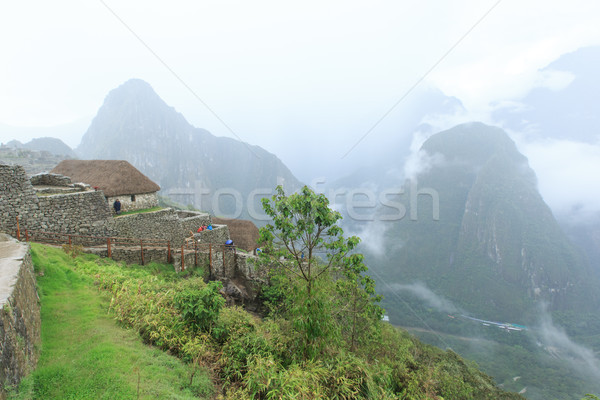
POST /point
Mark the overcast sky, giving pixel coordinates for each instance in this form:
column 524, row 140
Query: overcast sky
column 289, row 76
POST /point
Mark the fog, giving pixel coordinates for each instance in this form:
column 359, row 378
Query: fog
column 328, row 88
column 419, row 289
column 557, row 343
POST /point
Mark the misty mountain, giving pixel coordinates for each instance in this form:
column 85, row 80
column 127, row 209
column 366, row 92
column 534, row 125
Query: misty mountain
column 190, row 164
column 34, row 161
column 477, row 232
column 52, row 145
column 70, row 132
column 568, row 112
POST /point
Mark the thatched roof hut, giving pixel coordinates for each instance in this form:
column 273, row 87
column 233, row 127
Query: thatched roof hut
column 113, row 177
column 243, row 232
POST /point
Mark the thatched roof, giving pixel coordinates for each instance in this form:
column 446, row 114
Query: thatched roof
column 113, row 177
column 243, row 232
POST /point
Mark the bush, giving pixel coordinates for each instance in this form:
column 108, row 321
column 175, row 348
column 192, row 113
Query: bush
column 200, row 305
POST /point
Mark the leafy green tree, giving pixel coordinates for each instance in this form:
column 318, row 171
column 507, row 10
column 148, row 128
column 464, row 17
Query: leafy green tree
column 305, row 240
column 358, row 307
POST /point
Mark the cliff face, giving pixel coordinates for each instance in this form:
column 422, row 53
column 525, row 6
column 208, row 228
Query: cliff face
column 189, row 163
column 496, row 247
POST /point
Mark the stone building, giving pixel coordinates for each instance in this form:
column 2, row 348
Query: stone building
column 118, row 179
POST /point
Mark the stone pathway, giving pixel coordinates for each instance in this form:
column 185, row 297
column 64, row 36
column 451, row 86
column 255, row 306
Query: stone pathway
column 12, row 253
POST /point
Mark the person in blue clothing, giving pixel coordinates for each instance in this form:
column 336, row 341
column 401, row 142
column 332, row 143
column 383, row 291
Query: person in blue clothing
column 117, row 206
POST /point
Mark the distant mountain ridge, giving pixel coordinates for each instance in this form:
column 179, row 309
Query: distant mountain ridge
column 49, row 144
column 190, row 164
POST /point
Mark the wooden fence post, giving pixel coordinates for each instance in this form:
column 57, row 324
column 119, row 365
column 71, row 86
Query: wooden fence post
column 210, row 260
column 142, row 250
column 69, row 240
column 182, row 259
column 195, row 253
column 18, row 230
column 224, row 269
column 169, row 259
column 108, row 247
column 26, row 236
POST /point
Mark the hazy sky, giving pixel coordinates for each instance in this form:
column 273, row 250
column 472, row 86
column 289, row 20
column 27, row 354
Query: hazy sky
column 298, row 78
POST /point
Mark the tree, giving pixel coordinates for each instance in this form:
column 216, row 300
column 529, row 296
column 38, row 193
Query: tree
column 358, row 300
column 305, row 240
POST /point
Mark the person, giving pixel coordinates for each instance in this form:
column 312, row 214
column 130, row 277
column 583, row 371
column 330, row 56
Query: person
column 117, row 206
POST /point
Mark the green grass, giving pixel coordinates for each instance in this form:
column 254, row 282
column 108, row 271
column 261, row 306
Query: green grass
column 86, row 355
column 145, row 210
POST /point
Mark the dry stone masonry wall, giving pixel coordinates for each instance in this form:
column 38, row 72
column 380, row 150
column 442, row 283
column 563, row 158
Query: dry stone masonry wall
column 84, row 213
column 50, row 179
column 20, row 323
column 163, row 224
column 134, row 202
column 17, row 199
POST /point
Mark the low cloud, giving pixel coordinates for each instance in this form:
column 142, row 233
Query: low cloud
column 567, row 175
column 420, row 161
column 556, row 341
column 373, row 238
column 420, row 290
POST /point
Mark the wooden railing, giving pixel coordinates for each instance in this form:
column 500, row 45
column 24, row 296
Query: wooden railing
column 113, row 242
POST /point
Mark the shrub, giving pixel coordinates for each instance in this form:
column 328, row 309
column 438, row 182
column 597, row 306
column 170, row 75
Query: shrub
column 200, row 304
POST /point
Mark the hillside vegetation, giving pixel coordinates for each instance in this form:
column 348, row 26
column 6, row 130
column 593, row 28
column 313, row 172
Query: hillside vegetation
column 316, row 340
column 85, row 354
column 246, row 356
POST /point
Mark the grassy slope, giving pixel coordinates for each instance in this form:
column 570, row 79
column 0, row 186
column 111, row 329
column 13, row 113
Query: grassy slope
column 86, row 355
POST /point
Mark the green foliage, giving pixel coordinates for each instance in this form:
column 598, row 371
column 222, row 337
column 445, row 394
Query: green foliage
column 72, row 250
column 145, row 210
column 254, row 358
column 200, row 306
column 305, row 244
column 85, row 354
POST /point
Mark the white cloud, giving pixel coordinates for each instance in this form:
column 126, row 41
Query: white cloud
column 556, row 341
column 567, row 174
column 421, row 290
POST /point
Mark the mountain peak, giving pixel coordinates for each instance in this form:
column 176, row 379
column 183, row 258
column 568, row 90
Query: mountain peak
column 473, row 141
column 136, row 125
column 133, row 91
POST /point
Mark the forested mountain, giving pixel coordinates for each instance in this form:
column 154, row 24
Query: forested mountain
column 495, row 249
column 464, row 233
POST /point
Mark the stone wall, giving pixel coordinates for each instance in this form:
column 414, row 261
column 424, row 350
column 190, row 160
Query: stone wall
column 84, row 213
column 163, row 224
column 48, row 179
column 218, row 235
column 142, row 201
column 192, row 220
column 132, row 255
column 18, row 199
column 20, row 323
